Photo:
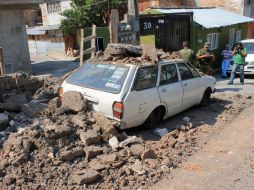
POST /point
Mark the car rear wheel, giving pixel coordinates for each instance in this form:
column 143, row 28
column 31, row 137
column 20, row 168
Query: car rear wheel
column 153, row 119
column 206, row 97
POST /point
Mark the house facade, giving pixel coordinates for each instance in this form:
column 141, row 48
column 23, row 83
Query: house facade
column 13, row 36
column 209, row 24
column 51, row 11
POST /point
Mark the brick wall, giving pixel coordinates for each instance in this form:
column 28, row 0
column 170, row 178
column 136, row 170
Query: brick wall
column 189, row 3
column 145, row 4
column 170, row 3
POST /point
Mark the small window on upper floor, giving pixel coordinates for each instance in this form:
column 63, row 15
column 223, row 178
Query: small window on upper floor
column 185, row 72
column 146, row 78
column 168, row 74
column 54, row 7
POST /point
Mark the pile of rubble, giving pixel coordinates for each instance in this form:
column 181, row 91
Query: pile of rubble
column 46, row 143
column 138, row 55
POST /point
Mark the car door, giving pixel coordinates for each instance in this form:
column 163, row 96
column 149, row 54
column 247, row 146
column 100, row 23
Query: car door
column 191, row 86
column 170, row 88
column 143, row 97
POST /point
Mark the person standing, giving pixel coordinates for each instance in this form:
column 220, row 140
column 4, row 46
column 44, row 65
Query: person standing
column 186, row 53
column 204, row 58
column 239, row 54
column 227, row 56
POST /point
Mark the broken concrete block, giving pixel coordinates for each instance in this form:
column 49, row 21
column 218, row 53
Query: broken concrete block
column 4, row 121
column 92, row 151
column 85, row 176
column 95, row 165
column 74, row 101
column 138, row 168
column 54, row 132
column 148, row 154
column 70, row 154
column 137, row 149
column 108, row 159
column 90, row 137
column 33, row 109
column 10, row 107
column 113, row 142
column 79, row 120
column 130, row 140
column 106, row 125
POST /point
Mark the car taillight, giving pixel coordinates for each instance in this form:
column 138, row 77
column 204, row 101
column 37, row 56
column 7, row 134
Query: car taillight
column 60, row 92
column 118, row 109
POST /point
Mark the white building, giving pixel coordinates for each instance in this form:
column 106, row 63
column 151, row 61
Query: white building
column 51, row 11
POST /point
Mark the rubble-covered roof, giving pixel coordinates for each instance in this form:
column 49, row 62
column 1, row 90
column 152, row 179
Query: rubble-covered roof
column 206, row 17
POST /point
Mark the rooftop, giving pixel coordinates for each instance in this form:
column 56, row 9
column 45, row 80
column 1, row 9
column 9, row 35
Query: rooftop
column 19, row 4
column 206, row 17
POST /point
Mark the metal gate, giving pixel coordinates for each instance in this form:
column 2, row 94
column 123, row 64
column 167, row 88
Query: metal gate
column 170, row 30
column 44, row 47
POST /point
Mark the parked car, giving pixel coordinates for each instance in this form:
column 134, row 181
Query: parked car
column 249, row 60
column 135, row 95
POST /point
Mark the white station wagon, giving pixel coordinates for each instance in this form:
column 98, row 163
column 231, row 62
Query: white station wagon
column 135, row 95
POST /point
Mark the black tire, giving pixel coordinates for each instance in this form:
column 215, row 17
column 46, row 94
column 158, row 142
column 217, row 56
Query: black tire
column 206, row 97
column 154, row 119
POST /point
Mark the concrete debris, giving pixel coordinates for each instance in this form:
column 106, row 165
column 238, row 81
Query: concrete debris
column 92, row 151
column 4, row 121
column 113, row 142
column 10, row 107
column 83, row 149
column 138, row 168
column 74, row 101
column 161, row 132
column 85, row 176
column 148, row 154
column 33, row 109
column 130, row 140
column 107, row 126
column 137, row 55
column 90, row 137
column 137, row 150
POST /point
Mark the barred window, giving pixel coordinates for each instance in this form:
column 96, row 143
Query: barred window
column 54, row 7
column 213, row 39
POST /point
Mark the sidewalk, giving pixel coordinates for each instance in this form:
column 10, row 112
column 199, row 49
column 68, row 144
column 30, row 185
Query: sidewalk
column 225, row 163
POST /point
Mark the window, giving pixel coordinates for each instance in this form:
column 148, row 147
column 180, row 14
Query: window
column 193, row 70
column 231, row 39
column 103, row 77
column 168, row 74
column 146, row 78
column 54, row 7
column 184, row 71
column 238, row 35
column 213, row 40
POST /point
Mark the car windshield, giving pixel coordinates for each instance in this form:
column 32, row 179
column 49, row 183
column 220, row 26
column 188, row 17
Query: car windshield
column 104, row 77
column 249, row 46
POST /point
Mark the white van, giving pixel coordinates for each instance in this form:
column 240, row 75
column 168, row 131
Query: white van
column 135, row 95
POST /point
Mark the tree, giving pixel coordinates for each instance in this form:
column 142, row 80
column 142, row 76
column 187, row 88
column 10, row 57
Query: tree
column 84, row 13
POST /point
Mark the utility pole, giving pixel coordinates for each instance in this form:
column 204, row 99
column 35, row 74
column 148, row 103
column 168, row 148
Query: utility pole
column 134, row 17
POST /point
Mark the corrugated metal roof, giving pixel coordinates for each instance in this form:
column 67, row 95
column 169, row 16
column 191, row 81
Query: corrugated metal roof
column 35, row 32
column 209, row 17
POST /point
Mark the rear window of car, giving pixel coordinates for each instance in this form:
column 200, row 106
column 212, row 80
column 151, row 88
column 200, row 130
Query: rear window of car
column 104, row 77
